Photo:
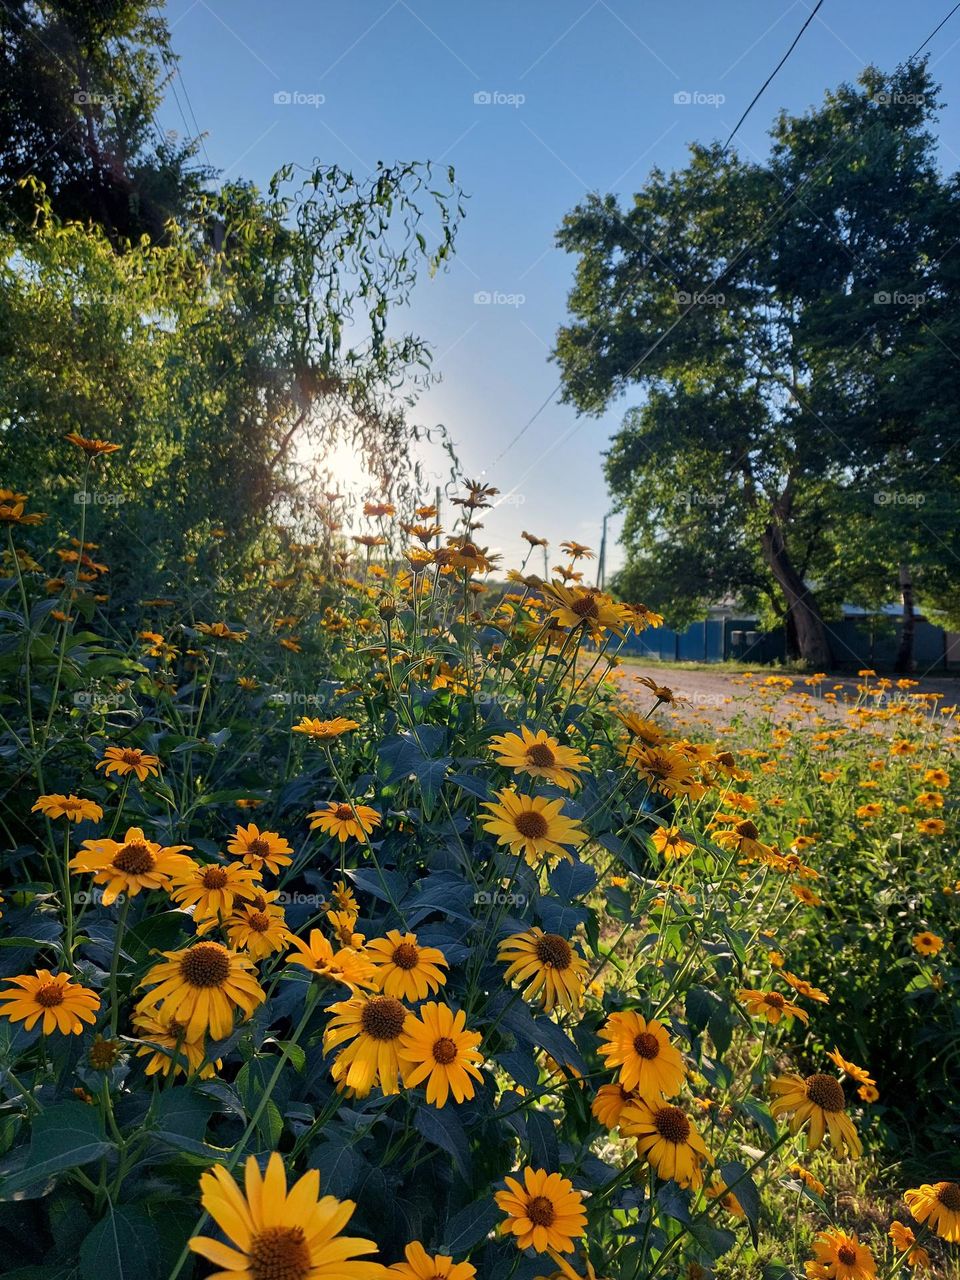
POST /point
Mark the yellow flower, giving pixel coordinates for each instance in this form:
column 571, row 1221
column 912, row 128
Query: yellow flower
column 548, row 964
column 345, row 820
column 938, row 778
column 162, row 1033
column 808, row 1180
column 770, row 1005
column 127, row 866
column 609, row 1103
column 938, row 1204
column 544, row 1212
column 92, row 448
column 540, row 756
column 817, row 1104
column 348, row 966
column 649, row 1064
column 718, row 1190
column 860, row 1074
column 533, row 826
column 257, row 927
column 276, row 1234
column 670, row 842
column 404, row 968
column 63, row 1005
column 124, row 760
column 665, row 770
column 931, row 826
column 437, row 1049
column 200, row 987
column 667, row 1140
column 840, row 1256
column 422, row 1266
column 803, row 988
column 325, row 730
column 587, row 608
column 371, row 1027
column 260, row 849
column 904, row 1241
column 220, row 631
column 927, row 944
column 213, row 891
column 71, row 807
column 344, row 925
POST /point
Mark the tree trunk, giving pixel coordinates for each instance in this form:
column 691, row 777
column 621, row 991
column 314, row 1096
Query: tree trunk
column 905, row 663
column 811, row 633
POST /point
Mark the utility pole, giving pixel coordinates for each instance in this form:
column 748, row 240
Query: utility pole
column 602, row 558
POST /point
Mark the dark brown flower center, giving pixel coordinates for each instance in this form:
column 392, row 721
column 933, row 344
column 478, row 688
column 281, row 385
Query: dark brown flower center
column 774, row 999
column 647, row 1045
column 948, row 1193
column 540, row 755
column 554, row 951
column 214, row 877
column 847, row 1254
column 406, row 956
column 383, row 1018
column 135, row 859
column 279, row 1253
column 258, row 902
column 205, row 965
column 825, row 1092
column 747, row 829
column 532, row 825
column 103, row 1054
column 343, row 813
column 131, row 756
column 585, row 607
column 259, row 847
column 258, row 921
column 541, row 1212
column 672, row 1125
column 49, row 995
column 444, row 1051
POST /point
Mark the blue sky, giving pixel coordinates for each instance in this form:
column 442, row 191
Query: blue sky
column 574, row 96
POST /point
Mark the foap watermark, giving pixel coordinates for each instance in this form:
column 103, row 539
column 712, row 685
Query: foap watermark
column 698, row 498
column 894, row 298
column 297, row 98
column 685, row 299
column 94, row 898
column 898, row 498
column 296, row 698
column 497, row 98
column 499, row 898
column 899, row 99
column 496, row 298
column 97, row 498
column 93, row 698
column 697, row 98
column 84, row 99
column 284, row 899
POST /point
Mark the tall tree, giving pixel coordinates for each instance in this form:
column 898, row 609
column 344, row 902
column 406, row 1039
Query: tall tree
column 82, row 80
column 746, row 299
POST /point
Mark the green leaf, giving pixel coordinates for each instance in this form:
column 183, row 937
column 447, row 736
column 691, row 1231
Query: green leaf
column 65, row 1136
column 122, row 1246
column 742, row 1185
column 445, row 1131
column 471, row 1225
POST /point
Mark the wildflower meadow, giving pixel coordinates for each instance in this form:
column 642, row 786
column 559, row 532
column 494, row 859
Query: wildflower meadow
column 357, row 922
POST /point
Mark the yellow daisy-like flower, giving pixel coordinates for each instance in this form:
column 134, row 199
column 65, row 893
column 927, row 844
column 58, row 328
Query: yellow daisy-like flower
column 816, row 1103
column 422, row 1266
column 905, row 1241
column 201, row 987
column 345, row 821
column 371, row 1027
column 344, row 898
column 588, row 608
column 404, row 968
column 839, row 1256
column 665, row 770
column 860, row 1074
column 344, row 926
column 124, row 760
column 670, row 842
column 771, row 1005
column 71, row 807
column 549, row 966
column 533, row 826
column 258, row 930
column 927, row 944
column 609, row 1104
column 127, row 866
column 63, row 1005
column 212, row 890
column 220, row 631
column 166, row 1033
column 276, row 1234
column 931, row 826
column 543, row 1212
column 804, row 988
column 348, row 966
column 437, row 1049
column 325, row 730
column 260, row 849
column 718, row 1190
column 540, row 756
column 667, row 1140
column 937, row 1204
column 650, row 1065
column 937, row 778
column 92, row 448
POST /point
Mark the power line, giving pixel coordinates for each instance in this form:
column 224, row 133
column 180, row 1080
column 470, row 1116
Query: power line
column 934, row 32
column 757, row 96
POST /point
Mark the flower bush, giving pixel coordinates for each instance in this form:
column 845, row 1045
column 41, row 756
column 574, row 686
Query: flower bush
column 354, row 926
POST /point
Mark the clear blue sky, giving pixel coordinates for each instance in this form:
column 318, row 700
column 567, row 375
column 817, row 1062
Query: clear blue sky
column 583, row 100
